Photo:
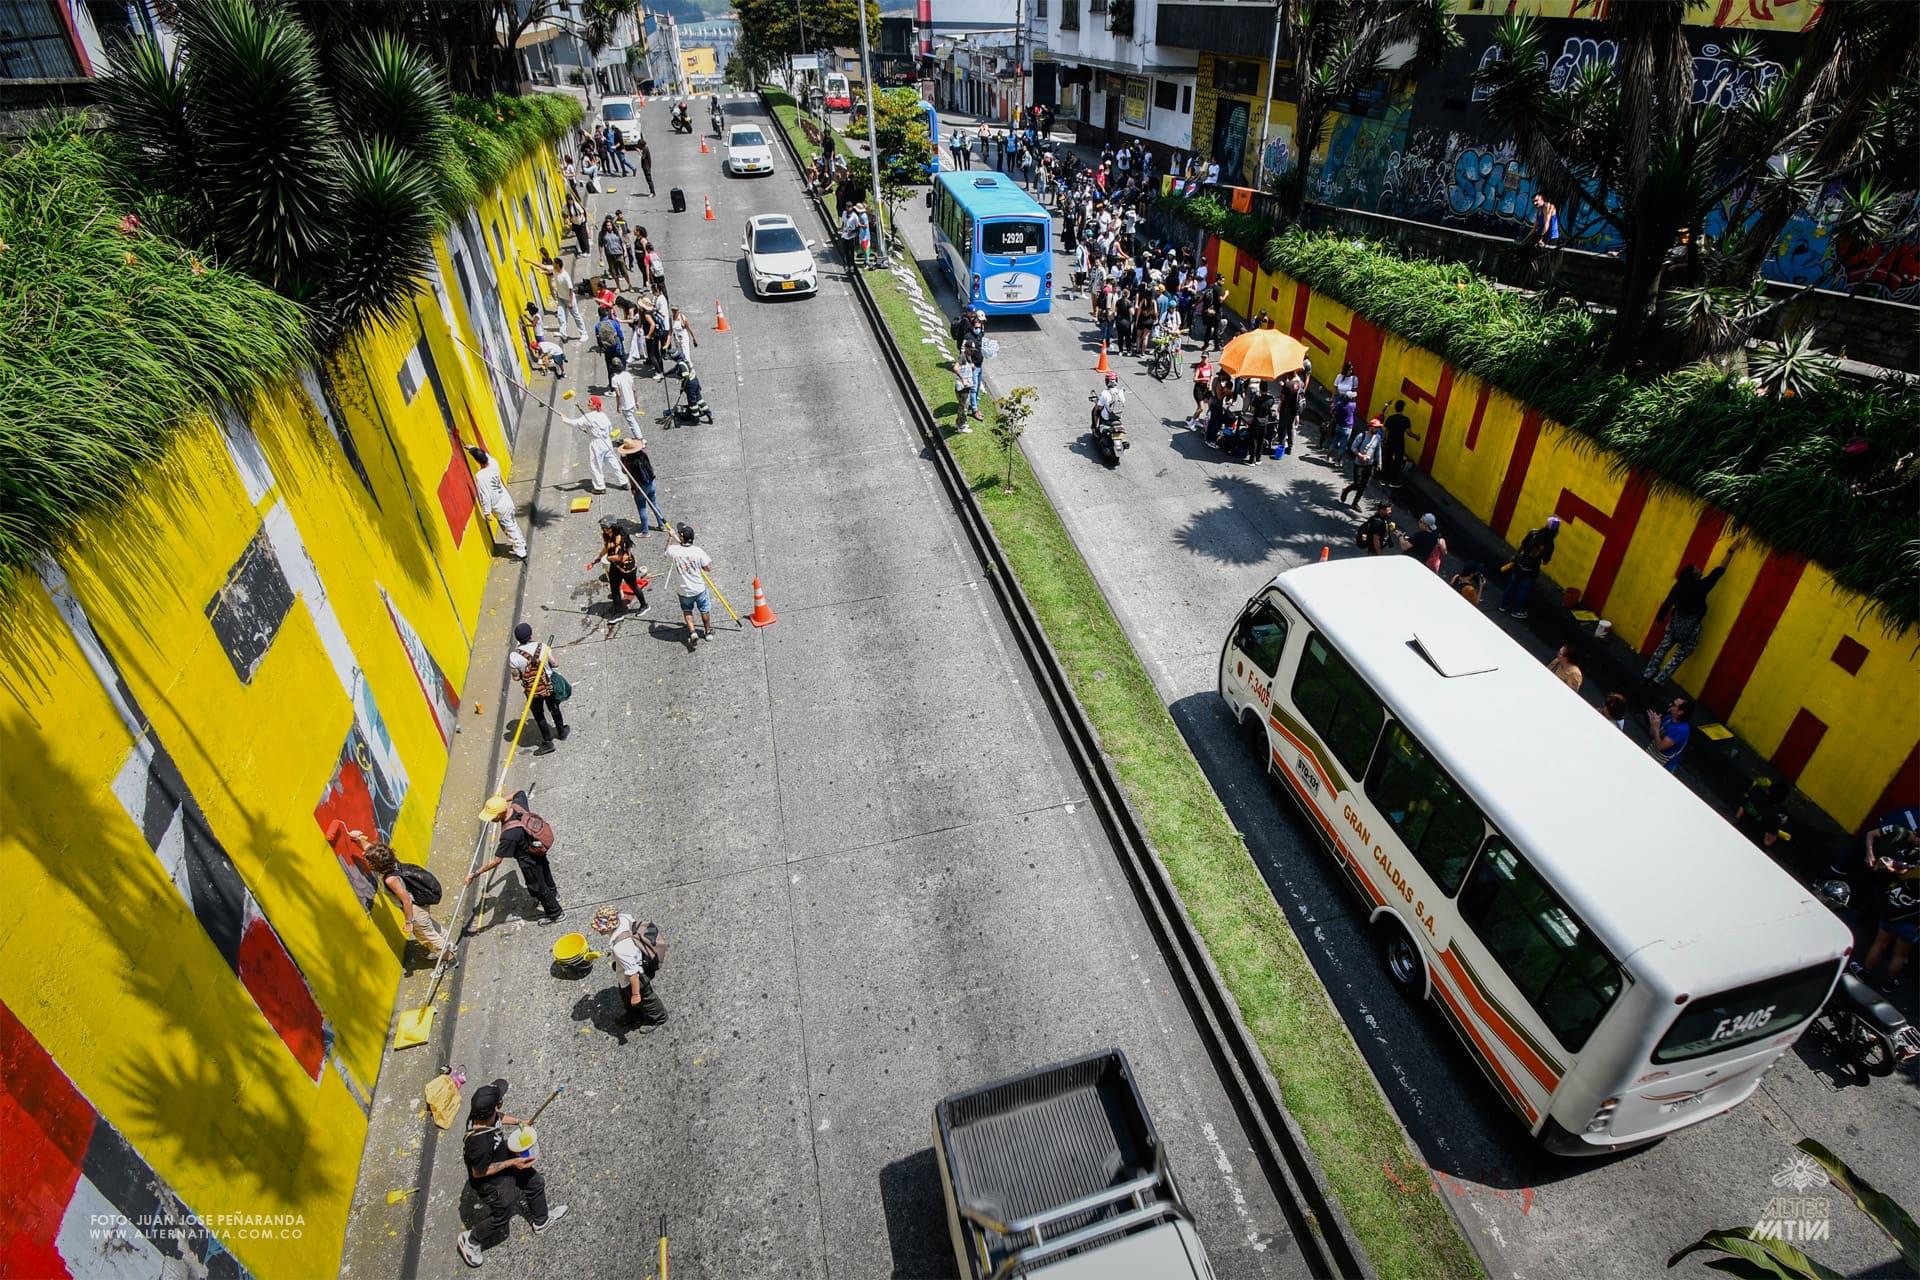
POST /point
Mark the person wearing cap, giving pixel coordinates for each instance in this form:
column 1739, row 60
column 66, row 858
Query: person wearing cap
column 536, row 869
column 495, row 501
column 689, row 565
column 640, row 476
column 626, row 397
column 1365, row 451
column 1426, row 545
column 1536, row 550
column 598, row 428
column 623, row 570
column 536, row 676
column 499, row 1177
column 635, row 954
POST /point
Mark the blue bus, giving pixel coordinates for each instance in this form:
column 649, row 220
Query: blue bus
column 995, row 243
column 933, row 134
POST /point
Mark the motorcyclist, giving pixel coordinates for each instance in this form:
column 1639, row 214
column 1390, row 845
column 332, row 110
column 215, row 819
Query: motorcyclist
column 680, row 118
column 1108, row 405
column 713, row 107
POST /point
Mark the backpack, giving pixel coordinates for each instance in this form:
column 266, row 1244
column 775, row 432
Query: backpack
column 540, row 836
column 606, row 335
column 421, row 883
column 653, row 947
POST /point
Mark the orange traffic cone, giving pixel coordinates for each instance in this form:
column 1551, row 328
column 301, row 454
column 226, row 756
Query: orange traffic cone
column 1325, row 551
column 762, row 616
column 703, row 145
column 1103, row 366
column 709, row 202
column 720, row 319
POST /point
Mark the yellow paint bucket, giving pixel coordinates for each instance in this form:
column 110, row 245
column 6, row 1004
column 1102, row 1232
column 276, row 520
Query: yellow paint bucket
column 570, row 953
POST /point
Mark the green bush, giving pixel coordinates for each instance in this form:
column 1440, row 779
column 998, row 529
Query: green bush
column 1825, row 475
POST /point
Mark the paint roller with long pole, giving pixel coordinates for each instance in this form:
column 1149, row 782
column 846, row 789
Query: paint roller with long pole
column 668, row 529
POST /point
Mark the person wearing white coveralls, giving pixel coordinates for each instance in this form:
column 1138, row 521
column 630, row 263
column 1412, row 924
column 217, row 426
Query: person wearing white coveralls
column 495, row 500
column 600, row 455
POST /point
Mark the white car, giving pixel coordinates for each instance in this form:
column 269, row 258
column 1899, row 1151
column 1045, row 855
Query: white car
column 779, row 259
column 748, row 150
column 620, row 113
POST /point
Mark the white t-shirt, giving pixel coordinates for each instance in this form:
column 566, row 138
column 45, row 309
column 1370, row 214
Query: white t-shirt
column 493, row 489
column 625, row 949
column 623, row 389
column 688, row 562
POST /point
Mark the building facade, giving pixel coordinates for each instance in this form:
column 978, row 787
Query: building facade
column 1103, row 67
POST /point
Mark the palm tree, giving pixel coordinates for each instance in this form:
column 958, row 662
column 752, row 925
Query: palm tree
column 1626, row 144
column 328, row 198
column 1336, row 47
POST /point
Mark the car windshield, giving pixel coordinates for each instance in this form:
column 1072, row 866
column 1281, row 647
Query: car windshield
column 749, row 138
column 1714, row 1024
column 617, row 110
column 778, row 240
column 1009, row 239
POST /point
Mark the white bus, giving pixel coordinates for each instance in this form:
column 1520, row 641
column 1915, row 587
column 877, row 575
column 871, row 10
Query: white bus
column 1618, row 960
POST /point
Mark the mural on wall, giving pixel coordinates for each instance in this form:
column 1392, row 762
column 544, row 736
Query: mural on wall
column 79, row 1200
column 156, row 798
column 443, row 700
column 1230, row 135
column 1714, row 75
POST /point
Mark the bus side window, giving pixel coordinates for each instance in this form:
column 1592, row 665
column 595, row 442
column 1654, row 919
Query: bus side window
column 1338, row 704
column 1552, row 957
column 965, row 240
column 1261, row 635
column 1440, row 825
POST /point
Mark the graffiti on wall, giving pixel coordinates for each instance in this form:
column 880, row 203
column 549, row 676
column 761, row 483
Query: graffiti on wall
column 1715, row 78
column 443, row 700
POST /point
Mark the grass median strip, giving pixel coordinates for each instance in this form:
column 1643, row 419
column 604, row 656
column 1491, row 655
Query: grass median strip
column 1372, row 1171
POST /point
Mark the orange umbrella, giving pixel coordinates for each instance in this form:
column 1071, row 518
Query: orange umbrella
column 1262, row 353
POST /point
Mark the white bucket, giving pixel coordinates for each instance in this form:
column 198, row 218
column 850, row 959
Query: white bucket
column 524, row 1142
column 1603, row 628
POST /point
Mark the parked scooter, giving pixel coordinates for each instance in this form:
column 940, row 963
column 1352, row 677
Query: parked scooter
column 1109, row 403
column 1858, row 1025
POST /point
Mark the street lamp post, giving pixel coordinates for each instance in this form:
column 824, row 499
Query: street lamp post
column 1266, row 113
column 873, row 109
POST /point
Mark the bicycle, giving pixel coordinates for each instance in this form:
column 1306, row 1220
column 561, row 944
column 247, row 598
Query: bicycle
column 1165, row 360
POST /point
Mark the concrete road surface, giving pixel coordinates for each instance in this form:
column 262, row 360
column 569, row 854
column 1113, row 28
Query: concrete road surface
column 857, row 828
column 1179, row 537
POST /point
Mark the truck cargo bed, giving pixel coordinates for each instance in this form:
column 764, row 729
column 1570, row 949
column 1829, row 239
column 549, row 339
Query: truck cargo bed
column 1030, row 1149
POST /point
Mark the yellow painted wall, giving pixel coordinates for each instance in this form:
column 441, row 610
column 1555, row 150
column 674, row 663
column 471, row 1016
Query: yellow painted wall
column 1871, row 723
column 101, row 959
column 699, row 62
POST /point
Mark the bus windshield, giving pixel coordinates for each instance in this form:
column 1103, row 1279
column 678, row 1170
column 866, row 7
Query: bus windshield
column 1012, row 239
column 1717, row 1023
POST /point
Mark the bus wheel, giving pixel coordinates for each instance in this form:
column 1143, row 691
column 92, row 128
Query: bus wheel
column 1401, row 958
column 1254, row 733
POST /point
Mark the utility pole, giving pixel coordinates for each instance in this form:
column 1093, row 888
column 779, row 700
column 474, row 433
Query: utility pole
column 873, row 109
column 801, row 88
column 1019, row 63
column 1266, row 112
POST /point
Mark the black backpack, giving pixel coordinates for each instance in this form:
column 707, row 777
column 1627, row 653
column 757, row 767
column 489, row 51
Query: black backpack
column 421, row 883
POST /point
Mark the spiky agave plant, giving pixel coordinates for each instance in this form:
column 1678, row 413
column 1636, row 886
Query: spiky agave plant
column 329, row 201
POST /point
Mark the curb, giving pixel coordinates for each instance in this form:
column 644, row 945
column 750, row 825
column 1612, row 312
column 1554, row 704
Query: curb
column 1320, row 1229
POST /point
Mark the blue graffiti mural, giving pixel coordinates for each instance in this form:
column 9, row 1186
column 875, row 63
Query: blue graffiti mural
column 1714, row 75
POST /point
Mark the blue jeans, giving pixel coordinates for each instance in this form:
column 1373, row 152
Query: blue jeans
column 645, row 505
column 1519, row 590
column 700, row 604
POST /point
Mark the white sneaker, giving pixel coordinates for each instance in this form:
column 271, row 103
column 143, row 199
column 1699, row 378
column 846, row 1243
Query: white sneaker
column 470, row 1253
column 554, row 1215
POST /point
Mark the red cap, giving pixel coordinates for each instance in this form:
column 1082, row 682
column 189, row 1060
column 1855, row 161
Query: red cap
column 593, row 402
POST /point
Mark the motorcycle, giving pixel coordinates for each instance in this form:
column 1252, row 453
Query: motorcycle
column 719, row 124
column 679, row 123
column 1858, row 1025
column 1109, row 436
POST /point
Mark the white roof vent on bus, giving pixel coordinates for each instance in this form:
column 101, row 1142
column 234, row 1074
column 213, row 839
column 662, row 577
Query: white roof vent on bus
column 1453, row 651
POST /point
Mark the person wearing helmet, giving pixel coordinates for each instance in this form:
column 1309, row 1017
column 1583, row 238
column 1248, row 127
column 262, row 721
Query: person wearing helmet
column 598, row 429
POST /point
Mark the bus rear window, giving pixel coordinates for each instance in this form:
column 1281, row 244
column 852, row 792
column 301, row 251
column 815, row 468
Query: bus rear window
column 1714, row 1024
column 1012, row 239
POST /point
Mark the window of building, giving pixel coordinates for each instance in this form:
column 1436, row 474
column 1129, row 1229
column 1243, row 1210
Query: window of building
column 1186, row 99
column 1166, row 95
column 1338, row 704
column 1548, row 952
column 1234, row 75
column 34, row 43
column 1069, row 15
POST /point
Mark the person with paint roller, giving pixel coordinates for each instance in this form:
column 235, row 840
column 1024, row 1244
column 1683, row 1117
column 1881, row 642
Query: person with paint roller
column 495, row 501
column 690, row 565
column 532, row 665
column 499, row 1177
column 527, row 838
column 598, row 429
